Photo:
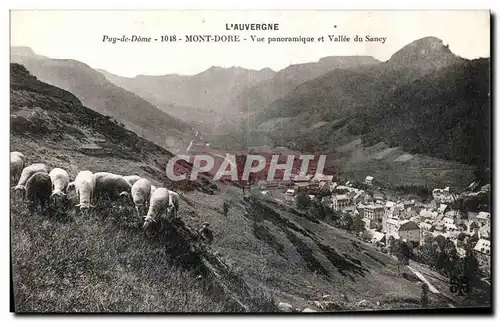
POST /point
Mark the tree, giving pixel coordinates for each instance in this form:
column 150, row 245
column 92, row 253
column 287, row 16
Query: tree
column 470, row 269
column 358, row 225
column 303, row 201
column 346, row 221
column 367, row 235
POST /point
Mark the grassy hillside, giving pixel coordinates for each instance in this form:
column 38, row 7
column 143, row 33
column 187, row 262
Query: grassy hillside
column 99, row 94
column 263, row 252
column 74, row 263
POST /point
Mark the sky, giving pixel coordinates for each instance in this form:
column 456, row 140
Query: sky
column 78, row 34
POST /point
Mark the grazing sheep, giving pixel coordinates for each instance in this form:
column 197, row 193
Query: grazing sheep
column 132, row 179
column 173, row 204
column 110, row 186
column 158, row 207
column 17, row 160
column 38, row 190
column 141, row 193
column 28, row 172
column 85, row 184
column 60, row 181
column 19, row 154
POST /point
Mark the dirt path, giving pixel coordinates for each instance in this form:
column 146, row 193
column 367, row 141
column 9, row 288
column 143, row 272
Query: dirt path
column 433, row 289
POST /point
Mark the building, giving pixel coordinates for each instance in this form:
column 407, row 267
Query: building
column 484, row 232
column 426, row 214
column 442, row 209
column 361, row 209
column 392, row 228
column 369, row 224
column 374, row 212
column 483, row 218
column 369, row 180
column 327, row 188
column 448, row 221
column 339, row 202
column 410, row 231
column 472, row 227
column 289, row 194
column 378, row 238
column 443, row 196
column 482, row 252
column 425, row 229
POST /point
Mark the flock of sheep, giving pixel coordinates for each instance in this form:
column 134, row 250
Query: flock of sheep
column 43, row 188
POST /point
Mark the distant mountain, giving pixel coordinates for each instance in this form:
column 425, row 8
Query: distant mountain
column 101, row 95
column 260, row 96
column 342, row 91
column 215, row 89
column 424, row 99
column 427, row 53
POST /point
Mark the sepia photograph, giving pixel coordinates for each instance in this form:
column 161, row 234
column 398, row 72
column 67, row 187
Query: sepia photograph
column 250, row 161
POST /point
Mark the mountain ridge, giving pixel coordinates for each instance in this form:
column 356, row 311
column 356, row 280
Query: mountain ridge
column 98, row 93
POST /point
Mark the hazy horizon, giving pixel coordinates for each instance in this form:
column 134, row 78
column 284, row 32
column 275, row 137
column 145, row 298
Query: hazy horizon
column 466, row 32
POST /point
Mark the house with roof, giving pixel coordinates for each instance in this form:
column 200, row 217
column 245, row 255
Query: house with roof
column 374, row 212
column 378, row 238
column 361, row 209
column 289, row 195
column 392, row 228
column 369, row 180
column 339, row 202
column 443, row 196
column 410, row 231
column 327, row 188
column 425, row 229
column 369, row 223
column 448, row 221
column 426, row 214
column 484, row 232
column 482, row 252
column 483, row 218
column 442, row 209
column 472, row 227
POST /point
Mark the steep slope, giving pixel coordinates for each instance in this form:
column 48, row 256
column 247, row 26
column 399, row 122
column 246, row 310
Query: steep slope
column 67, row 262
column 96, row 92
column 284, row 82
column 446, row 114
column 104, row 263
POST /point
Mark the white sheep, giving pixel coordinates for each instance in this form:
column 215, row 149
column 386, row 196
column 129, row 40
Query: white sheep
column 17, row 160
column 141, row 194
column 60, row 181
column 28, row 172
column 173, row 204
column 158, row 207
column 84, row 185
column 132, row 179
column 110, row 185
